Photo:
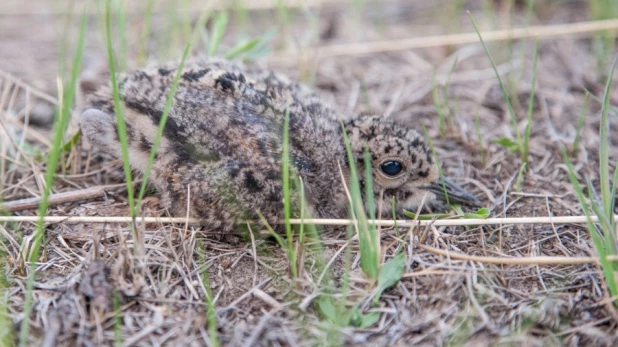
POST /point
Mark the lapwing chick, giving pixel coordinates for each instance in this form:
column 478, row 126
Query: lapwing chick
column 220, row 155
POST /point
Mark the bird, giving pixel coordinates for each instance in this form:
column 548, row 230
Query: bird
column 220, row 155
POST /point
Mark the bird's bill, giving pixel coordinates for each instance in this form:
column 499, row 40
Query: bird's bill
column 450, row 192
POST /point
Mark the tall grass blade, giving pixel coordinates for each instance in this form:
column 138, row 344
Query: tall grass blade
column 605, row 239
column 6, row 325
column 600, row 246
column 63, row 114
column 143, row 47
column 369, row 194
column 287, row 203
column 528, row 130
column 580, row 123
column 211, row 313
column 505, row 94
column 121, row 29
column 166, row 109
column 119, row 109
column 218, row 29
column 367, row 238
column 613, row 195
column 604, row 146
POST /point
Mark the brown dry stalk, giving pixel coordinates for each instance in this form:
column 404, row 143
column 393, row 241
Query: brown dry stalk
column 548, row 260
column 540, row 31
column 390, row 223
column 54, row 199
column 34, row 91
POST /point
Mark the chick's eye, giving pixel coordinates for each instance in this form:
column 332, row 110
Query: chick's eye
column 391, row 168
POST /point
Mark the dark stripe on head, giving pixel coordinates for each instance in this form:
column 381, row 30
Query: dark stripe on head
column 251, row 183
column 164, row 72
column 194, row 76
column 172, row 130
column 144, row 144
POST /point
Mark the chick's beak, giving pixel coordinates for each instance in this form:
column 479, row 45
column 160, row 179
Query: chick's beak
column 450, row 192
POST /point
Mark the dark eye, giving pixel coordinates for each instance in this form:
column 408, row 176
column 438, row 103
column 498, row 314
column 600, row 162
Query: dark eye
column 391, row 168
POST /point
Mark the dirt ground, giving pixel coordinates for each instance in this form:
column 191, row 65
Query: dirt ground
column 96, row 284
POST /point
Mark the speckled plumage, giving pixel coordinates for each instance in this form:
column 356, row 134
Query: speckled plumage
column 221, row 147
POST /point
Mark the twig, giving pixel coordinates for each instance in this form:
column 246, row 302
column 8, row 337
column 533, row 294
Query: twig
column 47, row 97
column 54, row 199
column 549, row 260
column 541, row 31
column 406, row 222
column 269, row 300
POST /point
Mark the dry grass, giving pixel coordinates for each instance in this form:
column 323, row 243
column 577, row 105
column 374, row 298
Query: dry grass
column 474, row 285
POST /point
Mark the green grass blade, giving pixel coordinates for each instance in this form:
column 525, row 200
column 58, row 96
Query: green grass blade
column 580, row 123
column 507, row 99
column 6, row 325
column 282, row 243
column 283, row 14
column 219, row 26
column 242, row 15
column 261, row 48
column 62, row 120
column 369, row 194
column 301, row 227
column 211, row 313
column 603, row 219
column 604, row 172
column 119, row 109
column 72, row 141
column 287, row 203
column 143, row 46
column 526, row 150
column 368, row 242
column 121, row 28
column 185, row 20
column 613, row 195
column 166, row 109
column 606, row 265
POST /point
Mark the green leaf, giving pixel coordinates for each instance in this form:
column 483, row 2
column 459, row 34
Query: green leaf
column 390, row 274
column 72, row 141
column 358, row 319
column 327, row 308
column 369, row 319
column 507, row 143
column 458, row 210
column 481, row 213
